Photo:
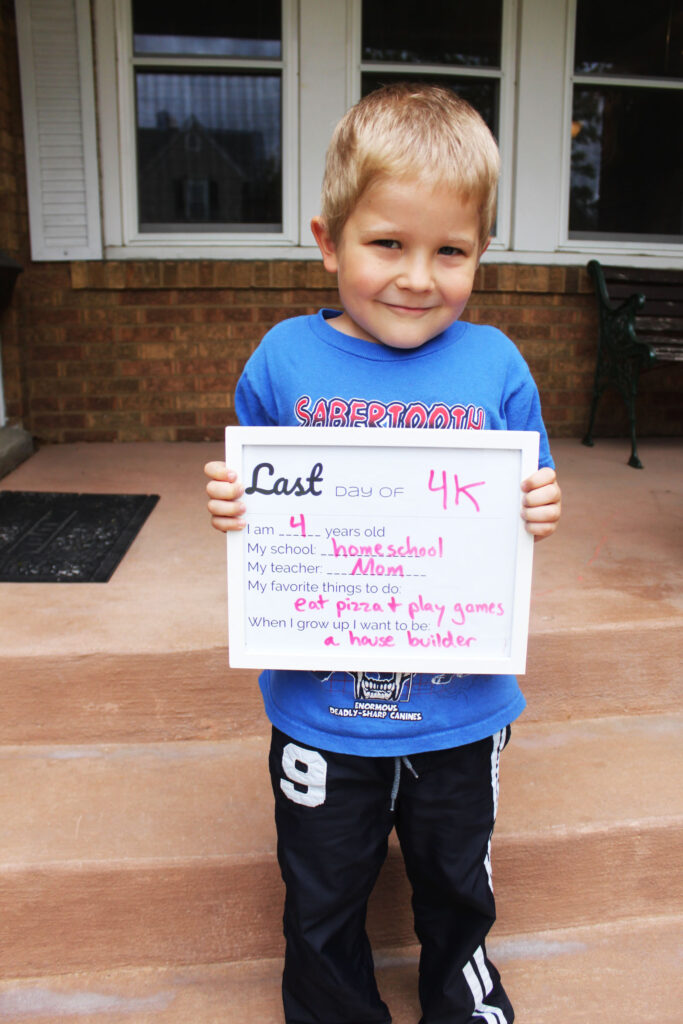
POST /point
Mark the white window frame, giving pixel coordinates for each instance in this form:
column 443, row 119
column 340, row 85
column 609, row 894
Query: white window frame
column 600, row 245
column 321, row 78
column 116, row 89
column 505, row 75
column 543, row 162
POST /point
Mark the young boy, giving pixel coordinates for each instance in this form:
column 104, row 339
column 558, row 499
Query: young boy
column 407, row 208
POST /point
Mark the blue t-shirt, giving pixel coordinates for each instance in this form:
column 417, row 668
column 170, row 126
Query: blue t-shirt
column 306, row 373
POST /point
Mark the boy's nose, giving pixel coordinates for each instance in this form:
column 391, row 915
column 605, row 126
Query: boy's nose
column 415, row 274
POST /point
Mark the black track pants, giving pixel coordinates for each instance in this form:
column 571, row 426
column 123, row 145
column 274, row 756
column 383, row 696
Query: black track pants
column 334, row 814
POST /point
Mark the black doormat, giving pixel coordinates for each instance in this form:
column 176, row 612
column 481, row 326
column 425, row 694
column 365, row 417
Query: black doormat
column 46, row 537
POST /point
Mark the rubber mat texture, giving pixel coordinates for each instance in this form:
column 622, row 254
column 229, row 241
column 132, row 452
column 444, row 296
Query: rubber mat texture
column 54, row 537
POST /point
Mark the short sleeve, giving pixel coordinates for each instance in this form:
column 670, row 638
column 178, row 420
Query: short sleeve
column 523, row 412
column 255, row 402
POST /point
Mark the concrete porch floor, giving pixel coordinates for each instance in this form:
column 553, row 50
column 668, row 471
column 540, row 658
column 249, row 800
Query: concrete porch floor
column 616, row 559
column 101, row 682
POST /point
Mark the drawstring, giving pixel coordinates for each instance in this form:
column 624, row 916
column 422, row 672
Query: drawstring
column 397, row 777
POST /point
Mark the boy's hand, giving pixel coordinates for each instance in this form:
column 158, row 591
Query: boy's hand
column 542, row 503
column 224, row 491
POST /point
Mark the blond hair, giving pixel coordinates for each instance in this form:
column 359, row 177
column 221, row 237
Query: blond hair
column 410, row 131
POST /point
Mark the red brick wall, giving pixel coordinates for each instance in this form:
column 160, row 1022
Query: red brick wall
column 151, row 350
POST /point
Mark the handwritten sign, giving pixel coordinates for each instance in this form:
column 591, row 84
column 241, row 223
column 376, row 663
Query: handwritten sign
column 392, row 550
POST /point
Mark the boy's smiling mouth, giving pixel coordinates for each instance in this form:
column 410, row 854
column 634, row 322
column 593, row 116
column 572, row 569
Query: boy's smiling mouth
column 399, row 307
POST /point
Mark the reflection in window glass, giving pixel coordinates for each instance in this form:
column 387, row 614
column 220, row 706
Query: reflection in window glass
column 206, row 28
column 629, row 37
column 452, row 32
column 481, row 93
column 209, row 151
column 627, row 163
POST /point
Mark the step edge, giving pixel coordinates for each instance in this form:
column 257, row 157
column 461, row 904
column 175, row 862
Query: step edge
column 38, row 749
column 402, row 953
column 508, row 840
column 554, row 631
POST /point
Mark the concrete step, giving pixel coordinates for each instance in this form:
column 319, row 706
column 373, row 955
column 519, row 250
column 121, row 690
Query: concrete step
column 143, row 657
column 576, row 975
column 161, row 854
column 152, row 697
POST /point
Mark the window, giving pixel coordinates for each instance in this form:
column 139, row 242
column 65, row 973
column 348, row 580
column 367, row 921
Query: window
column 453, row 43
column 197, row 123
column 214, row 119
column 627, row 112
column 208, row 115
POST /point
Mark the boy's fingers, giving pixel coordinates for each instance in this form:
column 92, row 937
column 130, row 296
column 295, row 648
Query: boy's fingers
column 541, row 477
column 548, row 495
column 219, row 506
column 540, row 530
column 227, row 524
column 224, row 490
column 548, row 512
column 219, row 471
column 541, row 521
column 541, row 503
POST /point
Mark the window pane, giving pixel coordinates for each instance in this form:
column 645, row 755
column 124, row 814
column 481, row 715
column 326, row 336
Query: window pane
column 627, row 162
column 455, row 32
column 481, row 93
column 209, row 151
column 629, row 37
column 203, row 27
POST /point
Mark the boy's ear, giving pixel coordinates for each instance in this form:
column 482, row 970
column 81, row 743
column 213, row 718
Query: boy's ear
column 325, row 244
column 484, row 248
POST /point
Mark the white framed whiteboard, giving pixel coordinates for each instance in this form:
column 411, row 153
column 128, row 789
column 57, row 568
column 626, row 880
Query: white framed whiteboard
column 399, row 550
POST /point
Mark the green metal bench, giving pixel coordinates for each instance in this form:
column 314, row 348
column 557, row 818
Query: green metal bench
column 641, row 327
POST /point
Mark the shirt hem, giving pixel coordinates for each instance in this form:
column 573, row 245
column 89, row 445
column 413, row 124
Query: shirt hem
column 392, row 746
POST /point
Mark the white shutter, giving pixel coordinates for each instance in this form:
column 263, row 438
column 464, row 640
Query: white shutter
column 57, row 88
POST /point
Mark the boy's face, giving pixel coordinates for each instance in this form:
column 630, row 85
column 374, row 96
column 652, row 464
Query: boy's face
column 405, row 262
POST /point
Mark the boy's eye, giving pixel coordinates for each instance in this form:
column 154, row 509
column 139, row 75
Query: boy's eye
column 450, row 250
column 386, row 243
